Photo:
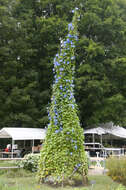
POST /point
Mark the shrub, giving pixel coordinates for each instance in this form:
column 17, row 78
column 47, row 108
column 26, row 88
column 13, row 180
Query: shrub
column 117, row 169
column 30, row 162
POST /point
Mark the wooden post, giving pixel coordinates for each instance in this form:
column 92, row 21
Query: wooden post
column 93, row 136
column 12, row 148
column 101, row 138
column 33, row 146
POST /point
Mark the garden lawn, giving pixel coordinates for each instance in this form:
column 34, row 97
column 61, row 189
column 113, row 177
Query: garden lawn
column 19, row 179
column 8, row 163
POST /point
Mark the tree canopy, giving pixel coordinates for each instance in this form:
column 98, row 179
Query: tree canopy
column 30, row 33
column 100, row 82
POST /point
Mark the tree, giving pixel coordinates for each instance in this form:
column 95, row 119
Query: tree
column 34, row 33
column 30, row 33
column 7, row 62
column 62, row 154
column 100, row 87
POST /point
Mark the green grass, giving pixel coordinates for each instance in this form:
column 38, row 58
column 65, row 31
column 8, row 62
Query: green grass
column 7, row 163
column 19, row 179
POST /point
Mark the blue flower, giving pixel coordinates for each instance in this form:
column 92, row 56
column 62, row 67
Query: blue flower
column 68, row 40
column 55, row 123
column 56, row 81
column 53, row 97
column 61, row 87
column 72, row 105
column 70, row 36
column 54, row 60
column 61, row 69
column 68, row 132
column 49, row 125
column 57, row 131
column 75, row 168
column 65, row 95
column 73, row 46
column 73, row 57
column 76, row 38
column 71, row 153
column 61, row 129
column 72, row 85
column 64, row 54
column 71, row 96
column 75, row 147
column 78, row 165
column 64, row 43
column 72, row 130
column 70, row 26
column 56, row 63
column 55, row 120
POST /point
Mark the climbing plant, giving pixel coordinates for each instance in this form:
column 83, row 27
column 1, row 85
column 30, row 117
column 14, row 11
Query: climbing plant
column 63, row 154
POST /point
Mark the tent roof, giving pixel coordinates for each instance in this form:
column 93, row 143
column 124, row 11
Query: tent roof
column 23, row 133
column 98, row 130
column 117, row 131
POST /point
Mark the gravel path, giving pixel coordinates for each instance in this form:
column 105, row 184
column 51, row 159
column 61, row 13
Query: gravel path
column 97, row 171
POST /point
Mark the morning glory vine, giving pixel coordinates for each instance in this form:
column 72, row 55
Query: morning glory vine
column 63, row 152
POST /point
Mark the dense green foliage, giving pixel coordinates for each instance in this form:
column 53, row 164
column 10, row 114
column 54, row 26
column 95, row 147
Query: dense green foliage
column 30, row 33
column 63, row 155
column 29, row 39
column 101, row 87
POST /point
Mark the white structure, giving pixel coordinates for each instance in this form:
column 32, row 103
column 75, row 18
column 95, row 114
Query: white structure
column 23, row 134
column 109, row 130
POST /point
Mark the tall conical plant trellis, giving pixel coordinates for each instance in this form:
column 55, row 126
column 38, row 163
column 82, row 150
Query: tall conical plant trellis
column 63, row 152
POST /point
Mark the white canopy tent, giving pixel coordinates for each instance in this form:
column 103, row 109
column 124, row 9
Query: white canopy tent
column 23, row 134
column 98, row 130
column 109, row 130
column 117, row 131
